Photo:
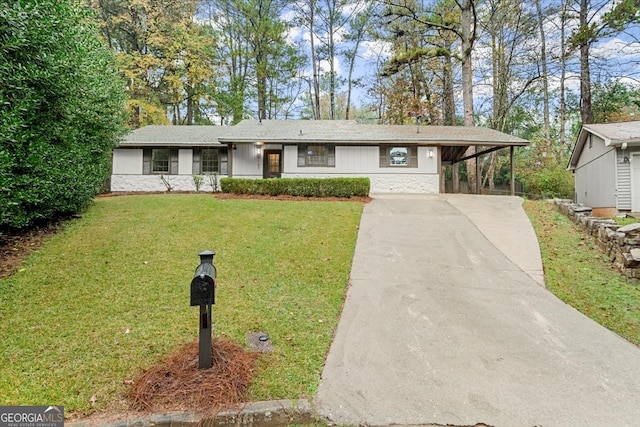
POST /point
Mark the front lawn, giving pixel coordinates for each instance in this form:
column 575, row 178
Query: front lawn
column 109, row 295
column 579, row 274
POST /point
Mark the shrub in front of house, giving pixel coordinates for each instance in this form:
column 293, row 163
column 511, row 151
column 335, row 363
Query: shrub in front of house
column 305, row 187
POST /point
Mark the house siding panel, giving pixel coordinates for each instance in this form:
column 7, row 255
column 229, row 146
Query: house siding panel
column 595, row 175
column 127, row 161
column 185, row 161
column 246, row 161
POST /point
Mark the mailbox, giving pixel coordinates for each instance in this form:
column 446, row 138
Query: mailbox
column 203, row 283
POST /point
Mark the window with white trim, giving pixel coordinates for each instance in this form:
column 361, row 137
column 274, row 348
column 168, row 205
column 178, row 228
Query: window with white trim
column 402, row 156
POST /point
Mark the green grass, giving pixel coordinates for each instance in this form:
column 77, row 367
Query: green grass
column 582, row 276
column 625, row 221
column 109, row 295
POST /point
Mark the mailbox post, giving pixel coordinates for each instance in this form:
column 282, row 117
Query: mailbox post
column 203, row 287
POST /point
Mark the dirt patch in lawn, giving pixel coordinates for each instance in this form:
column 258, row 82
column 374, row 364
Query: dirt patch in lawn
column 16, row 246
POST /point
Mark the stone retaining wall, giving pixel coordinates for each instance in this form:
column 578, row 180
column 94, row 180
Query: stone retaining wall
column 620, row 243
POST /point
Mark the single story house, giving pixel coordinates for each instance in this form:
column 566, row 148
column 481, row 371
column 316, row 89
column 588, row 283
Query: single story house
column 606, row 165
column 402, row 159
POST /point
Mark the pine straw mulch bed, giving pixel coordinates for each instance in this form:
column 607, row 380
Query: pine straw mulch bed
column 177, row 384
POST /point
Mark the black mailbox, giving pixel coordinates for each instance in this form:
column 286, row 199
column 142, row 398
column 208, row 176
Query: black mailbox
column 203, row 283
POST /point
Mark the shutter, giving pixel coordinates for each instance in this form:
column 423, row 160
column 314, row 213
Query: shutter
column 302, row 155
column 224, row 161
column 331, row 155
column 413, row 156
column 173, row 161
column 146, row 161
column 195, row 168
column 384, row 160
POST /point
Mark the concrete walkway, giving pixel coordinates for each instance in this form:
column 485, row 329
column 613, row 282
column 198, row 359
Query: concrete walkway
column 446, row 322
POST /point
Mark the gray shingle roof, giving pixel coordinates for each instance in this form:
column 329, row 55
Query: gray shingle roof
column 614, row 134
column 174, row 136
column 350, row 132
column 319, row 131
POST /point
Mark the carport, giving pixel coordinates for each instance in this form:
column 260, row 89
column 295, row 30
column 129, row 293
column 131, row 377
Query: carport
column 473, row 148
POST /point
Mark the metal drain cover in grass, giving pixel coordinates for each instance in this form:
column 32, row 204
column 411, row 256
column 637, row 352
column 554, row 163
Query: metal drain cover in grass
column 259, row 341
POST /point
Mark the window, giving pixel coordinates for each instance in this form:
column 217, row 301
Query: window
column 208, row 161
column 160, row 160
column 402, row 156
column 316, row 155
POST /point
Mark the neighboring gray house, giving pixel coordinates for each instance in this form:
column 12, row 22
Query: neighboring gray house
column 403, row 159
column 606, row 164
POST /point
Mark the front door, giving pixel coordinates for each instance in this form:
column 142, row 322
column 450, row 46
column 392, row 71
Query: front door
column 272, row 167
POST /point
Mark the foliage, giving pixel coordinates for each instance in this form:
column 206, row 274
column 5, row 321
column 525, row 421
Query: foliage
column 113, row 299
column 578, row 273
column 615, row 101
column 554, row 181
column 197, row 181
column 167, row 58
column 418, row 78
column 61, row 111
column 259, row 65
column 305, row 187
column 543, row 171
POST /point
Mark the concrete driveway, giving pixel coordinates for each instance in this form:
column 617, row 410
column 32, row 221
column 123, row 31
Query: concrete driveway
column 447, row 322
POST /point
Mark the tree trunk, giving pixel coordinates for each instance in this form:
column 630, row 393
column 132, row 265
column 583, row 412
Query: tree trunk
column 467, row 84
column 585, row 75
column 449, row 107
column 545, row 76
column 563, row 74
column 314, row 63
column 190, row 101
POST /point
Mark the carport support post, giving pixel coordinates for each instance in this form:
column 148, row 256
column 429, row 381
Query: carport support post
column 512, row 182
column 478, row 177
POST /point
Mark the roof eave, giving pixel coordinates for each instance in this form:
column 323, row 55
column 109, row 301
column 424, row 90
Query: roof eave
column 426, row 142
column 135, row 144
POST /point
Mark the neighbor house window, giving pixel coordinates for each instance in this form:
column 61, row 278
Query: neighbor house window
column 160, row 161
column 316, row 155
column 403, row 156
column 209, row 161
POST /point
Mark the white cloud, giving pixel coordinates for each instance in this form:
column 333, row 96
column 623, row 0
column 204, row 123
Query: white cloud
column 376, row 48
column 615, row 47
column 293, row 35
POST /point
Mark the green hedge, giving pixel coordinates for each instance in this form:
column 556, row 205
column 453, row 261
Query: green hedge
column 61, row 111
column 306, row 187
